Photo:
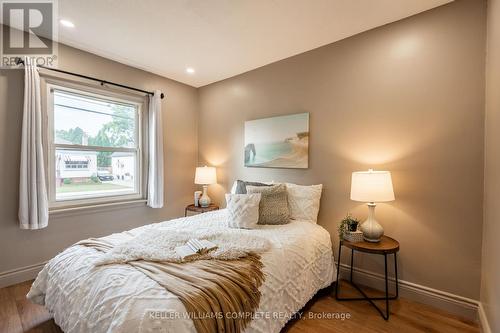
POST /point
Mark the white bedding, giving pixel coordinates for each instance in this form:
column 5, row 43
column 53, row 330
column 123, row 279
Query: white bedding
column 118, row 298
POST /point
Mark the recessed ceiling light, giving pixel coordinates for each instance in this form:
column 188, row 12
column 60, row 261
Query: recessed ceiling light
column 67, row 23
column 190, row 70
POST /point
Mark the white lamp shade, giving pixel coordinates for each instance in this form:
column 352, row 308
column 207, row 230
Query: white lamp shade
column 205, row 176
column 372, row 186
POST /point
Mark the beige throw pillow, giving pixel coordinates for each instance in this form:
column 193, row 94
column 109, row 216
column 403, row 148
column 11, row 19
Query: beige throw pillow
column 273, row 207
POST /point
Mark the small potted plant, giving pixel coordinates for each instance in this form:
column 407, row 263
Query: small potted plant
column 349, row 223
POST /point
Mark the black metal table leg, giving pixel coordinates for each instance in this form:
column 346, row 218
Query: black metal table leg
column 365, row 297
column 396, row 274
column 386, row 317
column 352, row 263
column 338, row 271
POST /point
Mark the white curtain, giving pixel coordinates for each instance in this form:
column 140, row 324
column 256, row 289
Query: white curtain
column 33, row 203
column 155, row 181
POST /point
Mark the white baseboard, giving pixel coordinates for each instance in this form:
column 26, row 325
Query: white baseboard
column 21, row 274
column 483, row 320
column 455, row 304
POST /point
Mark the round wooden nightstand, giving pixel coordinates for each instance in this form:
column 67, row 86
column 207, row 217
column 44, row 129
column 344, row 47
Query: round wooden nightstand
column 199, row 209
column 387, row 245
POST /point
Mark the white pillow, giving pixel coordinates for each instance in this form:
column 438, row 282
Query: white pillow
column 243, row 210
column 303, row 201
column 233, row 188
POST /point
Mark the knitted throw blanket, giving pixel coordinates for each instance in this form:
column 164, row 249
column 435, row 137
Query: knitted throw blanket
column 219, row 295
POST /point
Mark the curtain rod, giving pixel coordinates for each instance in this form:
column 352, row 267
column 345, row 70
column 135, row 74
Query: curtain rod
column 20, row 61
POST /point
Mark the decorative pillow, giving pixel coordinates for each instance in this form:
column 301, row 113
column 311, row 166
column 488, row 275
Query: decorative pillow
column 233, row 188
column 303, row 201
column 273, row 207
column 241, row 186
column 243, row 210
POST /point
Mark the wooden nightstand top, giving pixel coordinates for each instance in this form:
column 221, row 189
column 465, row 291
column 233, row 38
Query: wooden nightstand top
column 199, row 209
column 386, row 245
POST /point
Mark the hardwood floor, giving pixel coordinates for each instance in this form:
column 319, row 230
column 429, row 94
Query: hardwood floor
column 406, row 316
column 17, row 314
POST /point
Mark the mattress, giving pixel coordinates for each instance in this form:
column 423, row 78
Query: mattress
column 118, row 298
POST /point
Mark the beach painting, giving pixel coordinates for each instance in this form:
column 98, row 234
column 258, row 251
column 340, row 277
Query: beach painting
column 278, row 142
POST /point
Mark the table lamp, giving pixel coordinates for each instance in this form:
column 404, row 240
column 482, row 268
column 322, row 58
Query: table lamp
column 205, row 176
column 371, row 187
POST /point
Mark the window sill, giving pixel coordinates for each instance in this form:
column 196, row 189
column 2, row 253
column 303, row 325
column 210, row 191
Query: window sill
column 94, row 208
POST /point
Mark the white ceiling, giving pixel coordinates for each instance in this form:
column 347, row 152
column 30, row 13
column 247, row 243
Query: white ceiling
column 219, row 38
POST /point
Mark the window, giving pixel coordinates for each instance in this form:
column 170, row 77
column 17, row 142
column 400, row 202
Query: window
column 95, row 147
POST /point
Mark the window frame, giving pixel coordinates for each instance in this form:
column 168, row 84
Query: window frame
column 141, row 151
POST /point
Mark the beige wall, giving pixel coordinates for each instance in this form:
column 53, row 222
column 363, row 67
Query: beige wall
column 409, row 98
column 20, row 248
column 490, row 288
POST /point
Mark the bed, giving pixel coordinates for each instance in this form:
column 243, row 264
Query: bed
column 119, row 298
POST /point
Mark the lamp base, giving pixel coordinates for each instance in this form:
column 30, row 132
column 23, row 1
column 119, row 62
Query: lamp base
column 205, row 200
column 372, row 230
column 371, row 240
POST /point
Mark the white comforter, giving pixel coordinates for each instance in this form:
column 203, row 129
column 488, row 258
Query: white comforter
column 118, row 298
